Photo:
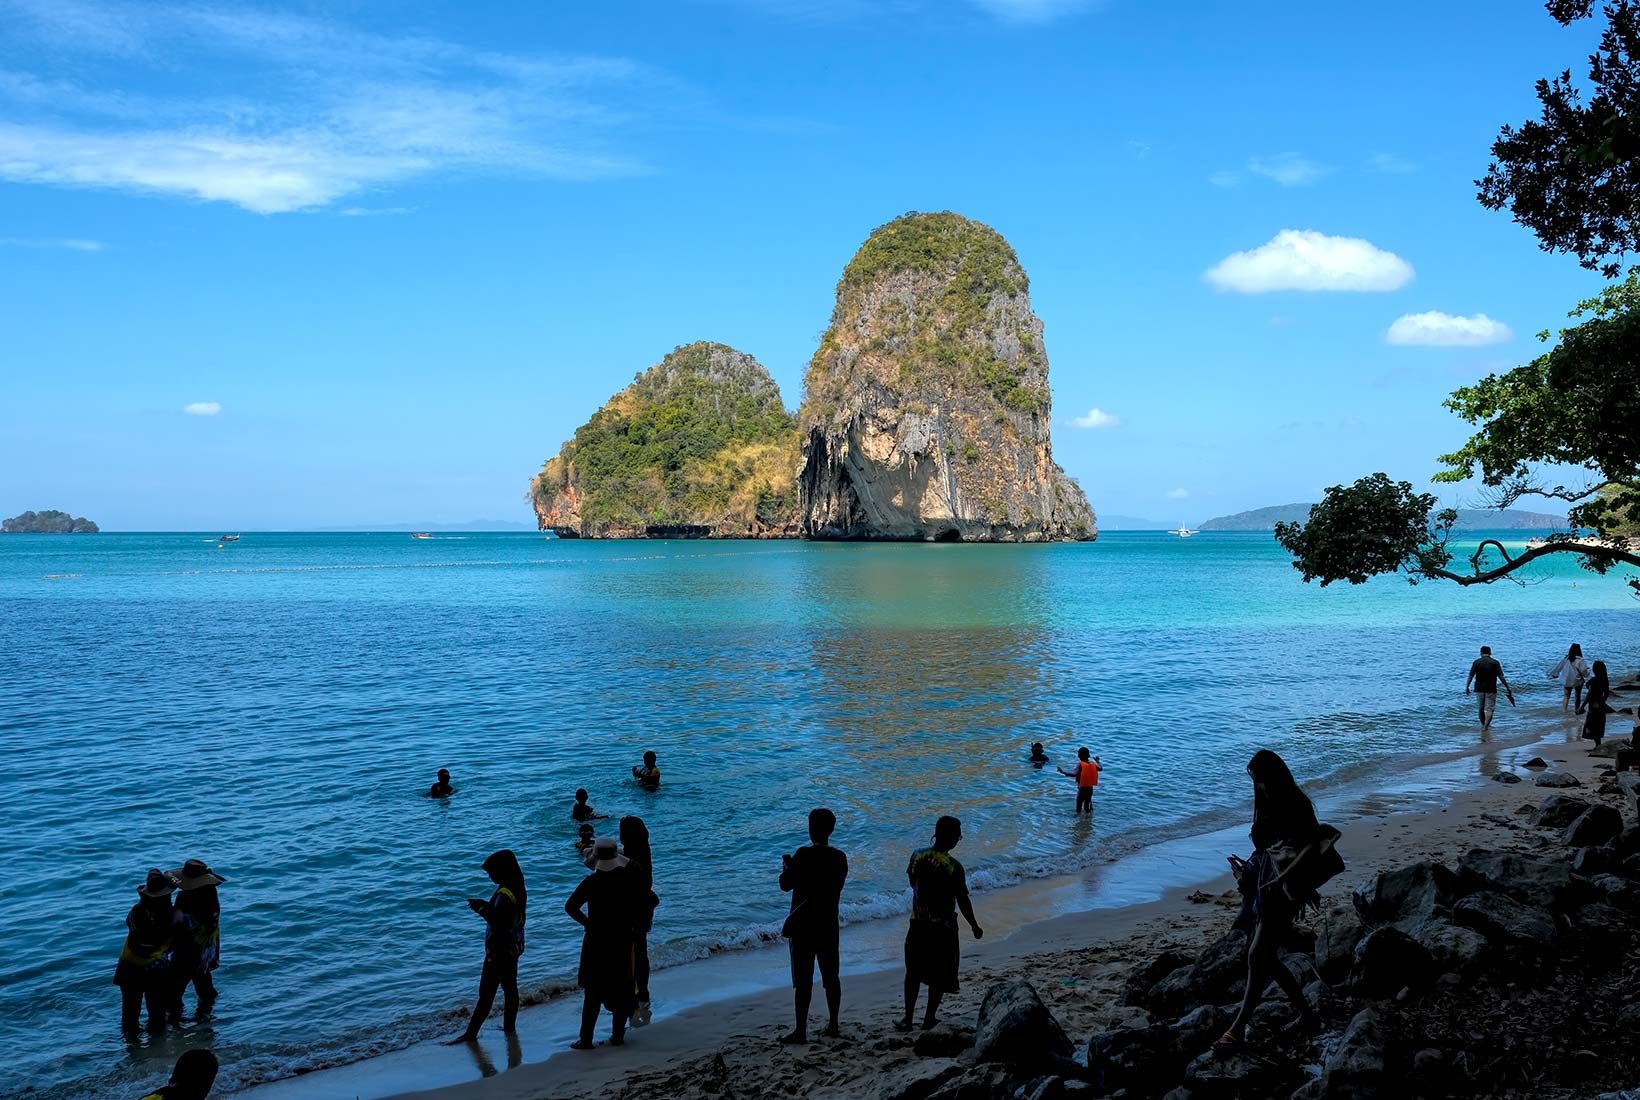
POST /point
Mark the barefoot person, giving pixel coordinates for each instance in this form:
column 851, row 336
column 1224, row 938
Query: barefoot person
column 1571, row 671
column 197, row 943
column 939, row 887
column 1086, row 774
column 605, row 975
column 1484, row 677
column 503, row 941
column 814, row 875
column 191, row 1078
column 640, row 860
column 1599, row 705
column 648, row 776
column 144, row 969
column 1293, row 855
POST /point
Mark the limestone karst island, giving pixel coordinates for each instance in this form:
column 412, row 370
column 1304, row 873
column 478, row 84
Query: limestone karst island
column 925, row 417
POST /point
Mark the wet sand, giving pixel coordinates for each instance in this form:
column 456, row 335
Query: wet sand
column 717, row 1020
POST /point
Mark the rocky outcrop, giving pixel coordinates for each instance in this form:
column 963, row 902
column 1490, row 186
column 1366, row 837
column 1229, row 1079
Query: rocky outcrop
column 926, row 406
column 49, row 522
column 698, row 446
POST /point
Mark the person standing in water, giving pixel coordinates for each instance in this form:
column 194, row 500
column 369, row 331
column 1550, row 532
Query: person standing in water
column 1484, row 677
column 939, row 888
column 197, row 945
column 641, row 861
column 1039, row 755
column 814, row 877
column 605, row 975
column 648, row 776
column 441, row 786
column 144, row 969
column 1599, row 705
column 582, row 810
column 503, row 941
column 191, row 1078
column 1086, row 774
column 1571, row 670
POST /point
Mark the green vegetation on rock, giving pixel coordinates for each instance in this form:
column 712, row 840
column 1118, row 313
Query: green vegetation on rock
column 49, row 522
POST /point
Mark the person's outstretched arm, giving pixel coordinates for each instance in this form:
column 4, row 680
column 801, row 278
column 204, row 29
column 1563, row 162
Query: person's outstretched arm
column 576, row 900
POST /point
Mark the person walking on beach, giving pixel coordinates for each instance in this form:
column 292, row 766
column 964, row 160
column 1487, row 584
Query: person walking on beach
column 1571, row 670
column 1293, row 855
column 441, row 786
column 503, row 941
column 144, row 969
column 1599, row 705
column 641, row 860
column 1086, row 774
column 939, row 887
column 648, row 776
column 606, row 972
column 197, row 944
column 814, row 876
column 1484, row 677
column 191, row 1078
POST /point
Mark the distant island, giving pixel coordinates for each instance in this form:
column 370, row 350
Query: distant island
column 925, row 417
column 49, row 522
column 1469, row 519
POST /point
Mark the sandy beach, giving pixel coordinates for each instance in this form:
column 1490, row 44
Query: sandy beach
column 1173, row 896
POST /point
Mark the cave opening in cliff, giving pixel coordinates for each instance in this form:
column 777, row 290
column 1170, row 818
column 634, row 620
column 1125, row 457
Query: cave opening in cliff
column 950, row 534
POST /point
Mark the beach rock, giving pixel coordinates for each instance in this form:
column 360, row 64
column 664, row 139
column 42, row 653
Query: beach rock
column 982, row 1082
column 1617, row 890
column 1388, row 960
column 1559, row 810
column 1208, row 980
column 926, row 408
column 1428, row 1069
column 1539, row 882
column 1595, row 861
column 1557, row 779
column 912, row 1081
column 1198, row 1029
column 1407, row 896
column 1140, row 983
column 1340, row 930
column 942, row 1041
column 1017, row 1029
column 1453, row 948
column 1630, row 867
column 1628, row 785
column 1536, row 762
column 1357, row 1068
column 1310, row 1090
column 1244, row 1073
column 1142, row 1059
column 1505, row 777
column 1602, row 926
column 1596, row 825
column 1504, row 920
column 1608, row 749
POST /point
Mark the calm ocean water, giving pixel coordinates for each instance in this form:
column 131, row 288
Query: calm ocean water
column 278, row 707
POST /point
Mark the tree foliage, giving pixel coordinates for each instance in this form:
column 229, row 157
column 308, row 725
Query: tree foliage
column 1572, row 176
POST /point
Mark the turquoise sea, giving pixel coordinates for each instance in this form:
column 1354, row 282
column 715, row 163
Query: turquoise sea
column 277, row 707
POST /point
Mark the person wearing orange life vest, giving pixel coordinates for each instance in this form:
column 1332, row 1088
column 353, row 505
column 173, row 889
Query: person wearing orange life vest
column 1086, row 774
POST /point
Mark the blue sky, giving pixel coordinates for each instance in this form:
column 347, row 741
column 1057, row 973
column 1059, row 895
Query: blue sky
column 391, row 255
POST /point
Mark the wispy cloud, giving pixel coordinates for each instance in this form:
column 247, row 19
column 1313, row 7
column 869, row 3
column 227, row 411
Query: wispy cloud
column 1224, row 179
column 1032, row 11
column 1288, row 169
column 1300, row 259
column 317, row 110
column 1177, row 494
column 1390, row 164
column 1435, row 329
column 203, row 408
column 1096, row 418
column 1008, row 11
column 73, row 244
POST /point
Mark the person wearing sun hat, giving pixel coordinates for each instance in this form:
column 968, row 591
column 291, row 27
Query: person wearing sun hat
column 606, row 976
column 143, row 972
column 197, row 945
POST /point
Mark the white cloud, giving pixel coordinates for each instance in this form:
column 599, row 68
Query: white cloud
column 1435, row 329
column 73, row 244
column 1288, row 169
column 1390, row 164
column 1302, row 259
column 1096, row 418
column 375, row 211
column 1224, row 179
column 1177, row 494
column 203, row 408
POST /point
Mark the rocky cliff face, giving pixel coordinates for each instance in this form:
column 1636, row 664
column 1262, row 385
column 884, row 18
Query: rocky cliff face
column 926, row 407
column 698, row 446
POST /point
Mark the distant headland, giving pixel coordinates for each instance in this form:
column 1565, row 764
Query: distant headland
column 49, row 522
column 1469, row 519
column 925, row 417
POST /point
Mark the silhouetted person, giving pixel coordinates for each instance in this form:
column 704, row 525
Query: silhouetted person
column 1571, row 670
column 144, row 969
column 197, row 943
column 441, row 786
column 1291, row 851
column 1039, row 755
column 605, row 975
column 1598, row 702
column 1484, row 676
column 584, row 840
column 582, row 810
column 814, row 875
column 641, row 862
column 939, row 887
column 1086, row 774
column 503, row 941
column 191, row 1078
column 648, row 776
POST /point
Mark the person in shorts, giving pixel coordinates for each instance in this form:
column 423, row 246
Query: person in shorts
column 814, row 876
column 1484, row 677
column 939, row 888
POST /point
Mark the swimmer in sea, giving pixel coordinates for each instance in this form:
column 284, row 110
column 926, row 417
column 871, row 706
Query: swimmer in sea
column 581, row 811
column 648, row 776
column 1039, row 756
column 442, row 788
column 585, row 842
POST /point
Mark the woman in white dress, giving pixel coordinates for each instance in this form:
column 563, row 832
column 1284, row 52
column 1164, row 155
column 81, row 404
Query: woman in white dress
column 1571, row 670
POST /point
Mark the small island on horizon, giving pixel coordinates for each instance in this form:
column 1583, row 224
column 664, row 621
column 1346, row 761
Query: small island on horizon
column 1469, row 519
column 48, row 522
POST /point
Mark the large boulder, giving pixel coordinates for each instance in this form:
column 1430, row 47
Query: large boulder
column 1017, row 1029
column 1340, row 930
column 1143, row 980
column 1505, row 921
column 1539, row 882
column 1211, row 979
column 1453, row 948
column 1358, row 1067
column 1596, row 825
column 1596, row 861
column 1244, row 1073
column 1407, row 896
column 1388, row 960
column 1557, row 779
column 1558, row 811
column 926, row 408
column 1602, row 926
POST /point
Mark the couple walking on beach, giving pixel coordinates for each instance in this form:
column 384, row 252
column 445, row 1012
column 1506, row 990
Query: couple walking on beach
column 814, row 875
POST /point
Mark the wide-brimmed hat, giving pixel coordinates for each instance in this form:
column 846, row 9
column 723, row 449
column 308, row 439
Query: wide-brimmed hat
column 158, row 884
column 194, row 874
column 606, row 857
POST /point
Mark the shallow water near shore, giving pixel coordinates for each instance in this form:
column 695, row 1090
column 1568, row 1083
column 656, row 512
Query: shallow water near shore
column 277, row 708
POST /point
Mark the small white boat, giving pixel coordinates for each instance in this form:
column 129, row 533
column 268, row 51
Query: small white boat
column 420, row 535
column 1184, row 532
